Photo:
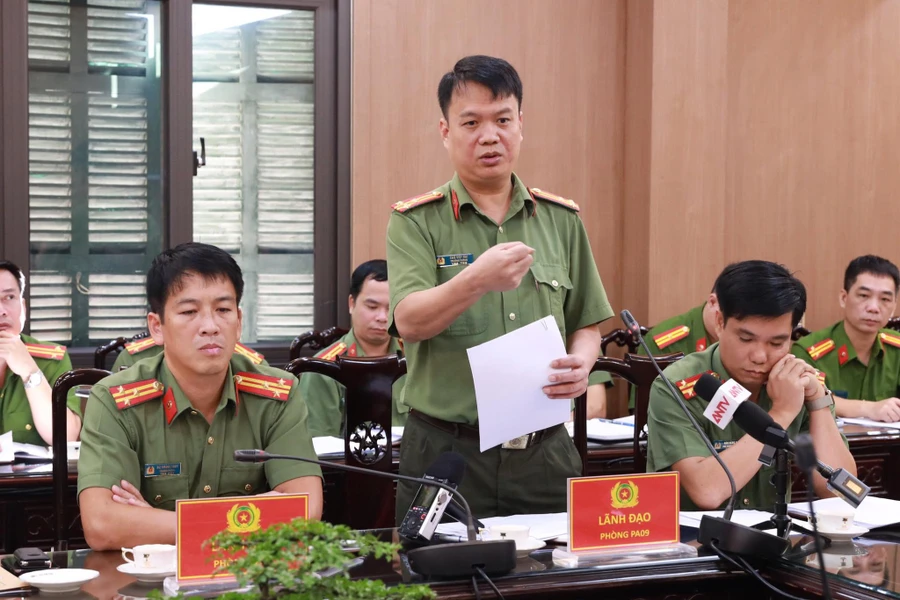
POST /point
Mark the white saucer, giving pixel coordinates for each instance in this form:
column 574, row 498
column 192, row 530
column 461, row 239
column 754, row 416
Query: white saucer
column 844, row 535
column 57, row 581
column 145, row 575
column 530, row 546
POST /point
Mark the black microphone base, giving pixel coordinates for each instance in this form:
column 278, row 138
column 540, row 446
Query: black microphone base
column 739, row 539
column 495, row 557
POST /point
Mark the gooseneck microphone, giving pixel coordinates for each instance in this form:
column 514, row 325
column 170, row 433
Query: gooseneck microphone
column 494, row 557
column 721, row 534
column 760, row 425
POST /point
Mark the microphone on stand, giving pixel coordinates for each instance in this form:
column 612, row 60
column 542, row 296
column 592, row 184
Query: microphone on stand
column 452, row 560
column 720, row 533
column 760, row 425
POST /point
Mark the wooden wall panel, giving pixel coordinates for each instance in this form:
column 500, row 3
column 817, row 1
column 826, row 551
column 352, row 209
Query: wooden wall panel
column 814, row 138
column 570, row 56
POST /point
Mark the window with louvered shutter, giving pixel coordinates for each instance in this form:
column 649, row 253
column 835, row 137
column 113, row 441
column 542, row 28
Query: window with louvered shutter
column 95, row 152
column 253, row 105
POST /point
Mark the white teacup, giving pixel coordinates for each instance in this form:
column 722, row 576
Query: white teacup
column 838, row 518
column 151, row 556
column 518, row 533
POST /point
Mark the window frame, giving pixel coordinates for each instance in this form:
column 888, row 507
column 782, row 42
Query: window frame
column 332, row 147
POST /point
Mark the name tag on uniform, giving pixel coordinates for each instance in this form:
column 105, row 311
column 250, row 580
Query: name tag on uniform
column 157, row 469
column 720, row 445
column 454, row 260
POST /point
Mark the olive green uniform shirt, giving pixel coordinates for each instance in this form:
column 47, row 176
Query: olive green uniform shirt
column 672, row 438
column 829, row 350
column 685, row 333
column 325, row 397
column 431, row 243
column 15, row 412
column 189, row 457
column 126, row 359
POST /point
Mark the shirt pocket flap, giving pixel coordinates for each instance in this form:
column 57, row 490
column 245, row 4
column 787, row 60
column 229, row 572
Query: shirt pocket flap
column 163, row 491
column 555, row 276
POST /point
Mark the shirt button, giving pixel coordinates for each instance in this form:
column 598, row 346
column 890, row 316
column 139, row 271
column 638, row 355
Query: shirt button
column 248, row 488
column 28, row 427
column 210, row 441
column 746, row 501
column 207, row 489
column 158, row 498
column 193, row 412
column 501, row 229
column 512, row 316
column 554, row 283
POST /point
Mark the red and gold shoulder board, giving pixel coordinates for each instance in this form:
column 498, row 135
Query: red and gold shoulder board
column 132, row 394
column 267, row 386
column 405, row 205
column 820, row 376
column 49, row 351
column 820, row 349
column 686, row 386
column 255, row 357
column 892, row 339
column 332, row 351
column 667, row 338
column 570, row 204
column 140, row 345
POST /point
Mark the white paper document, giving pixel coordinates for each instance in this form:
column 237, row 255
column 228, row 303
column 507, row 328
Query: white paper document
column 7, row 453
column 691, row 518
column 543, row 526
column 872, row 512
column 328, row 445
column 510, row 373
column 870, row 423
column 605, row 430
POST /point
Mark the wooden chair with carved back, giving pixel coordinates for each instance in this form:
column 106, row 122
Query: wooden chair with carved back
column 622, row 339
column 315, row 340
column 799, row 332
column 894, row 323
column 637, row 371
column 368, row 501
column 64, row 522
column 117, row 345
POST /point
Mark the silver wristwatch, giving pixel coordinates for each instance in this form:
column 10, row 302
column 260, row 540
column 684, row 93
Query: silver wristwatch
column 825, row 401
column 34, row 380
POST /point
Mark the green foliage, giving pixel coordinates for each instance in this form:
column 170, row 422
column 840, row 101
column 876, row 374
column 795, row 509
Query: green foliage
column 282, row 561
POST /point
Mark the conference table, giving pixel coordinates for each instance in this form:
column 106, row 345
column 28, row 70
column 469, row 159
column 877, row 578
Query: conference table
column 26, row 501
column 871, row 569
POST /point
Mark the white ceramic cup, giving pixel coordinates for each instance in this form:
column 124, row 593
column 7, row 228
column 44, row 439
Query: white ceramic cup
column 151, row 556
column 518, row 533
column 836, row 518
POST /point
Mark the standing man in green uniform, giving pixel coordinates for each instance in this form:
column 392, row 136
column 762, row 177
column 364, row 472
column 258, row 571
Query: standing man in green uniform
column 147, row 347
column 474, row 259
column 168, row 427
column 368, row 336
column 859, row 358
column 28, row 370
column 760, row 303
column 690, row 332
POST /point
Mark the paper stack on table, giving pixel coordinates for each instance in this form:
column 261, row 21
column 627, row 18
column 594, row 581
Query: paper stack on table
column 543, row 526
column 870, row 423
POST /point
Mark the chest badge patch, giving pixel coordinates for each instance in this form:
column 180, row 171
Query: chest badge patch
column 454, row 260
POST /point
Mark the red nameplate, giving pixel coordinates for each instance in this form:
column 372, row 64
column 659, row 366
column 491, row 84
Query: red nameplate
column 623, row 510
column 199, row 520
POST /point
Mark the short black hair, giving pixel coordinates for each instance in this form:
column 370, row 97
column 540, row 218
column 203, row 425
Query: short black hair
column 371, row 269
column 873, row 265
column 495, row 74
column 6, row 265
column 759, row 288
column 167, row 273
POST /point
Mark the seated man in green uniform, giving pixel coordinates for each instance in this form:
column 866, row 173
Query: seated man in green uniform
column 476, row 258
column 859, row 358
column 368, row 336
column 28, row 369
column 168, row 427
column 760, row 303
column 690, row 332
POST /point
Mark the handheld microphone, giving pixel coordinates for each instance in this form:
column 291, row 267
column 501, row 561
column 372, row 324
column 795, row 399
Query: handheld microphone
column 494, row 557
column 430, row 502
column 719, row 533
column 760, row 425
